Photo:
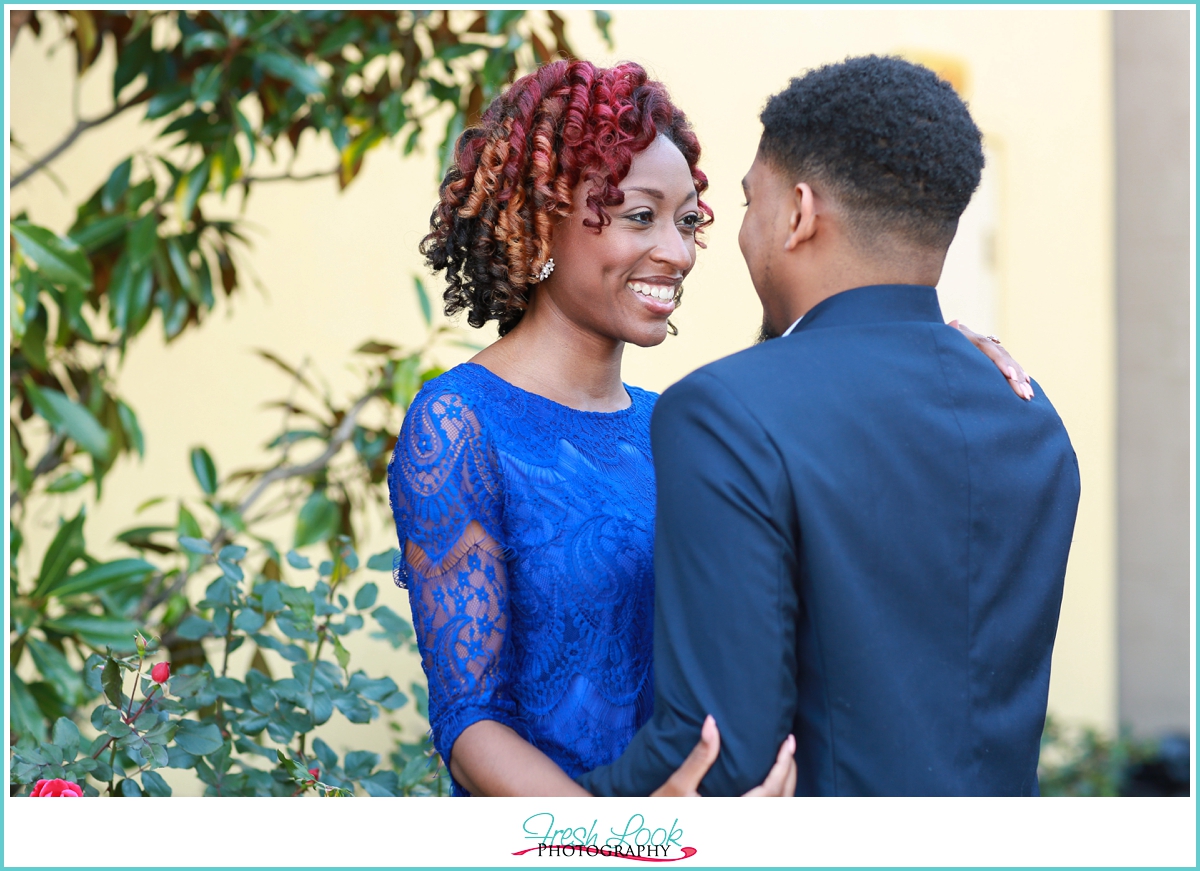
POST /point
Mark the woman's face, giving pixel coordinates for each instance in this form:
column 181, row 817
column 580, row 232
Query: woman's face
column 620, row 283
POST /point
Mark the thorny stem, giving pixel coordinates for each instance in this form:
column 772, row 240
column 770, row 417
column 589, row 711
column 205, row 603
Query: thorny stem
column 112, row 771
column 130, row 721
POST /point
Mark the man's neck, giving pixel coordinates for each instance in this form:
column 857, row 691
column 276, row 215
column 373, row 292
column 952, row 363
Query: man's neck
column 823, row 284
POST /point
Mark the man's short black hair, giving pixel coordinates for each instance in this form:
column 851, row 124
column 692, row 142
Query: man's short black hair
column 894, row 143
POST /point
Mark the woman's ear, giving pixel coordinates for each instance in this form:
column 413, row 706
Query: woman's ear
column 802, row 222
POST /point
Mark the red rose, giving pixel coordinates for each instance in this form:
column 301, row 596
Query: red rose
column 160, row 672
column 57, row 789
column 315, row 772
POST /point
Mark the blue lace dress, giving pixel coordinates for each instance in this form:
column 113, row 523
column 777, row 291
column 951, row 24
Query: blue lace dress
column 526, row 534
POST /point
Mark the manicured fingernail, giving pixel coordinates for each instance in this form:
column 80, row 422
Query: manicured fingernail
column 1012, row 373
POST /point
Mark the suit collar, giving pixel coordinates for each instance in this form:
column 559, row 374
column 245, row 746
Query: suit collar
column 875, row 304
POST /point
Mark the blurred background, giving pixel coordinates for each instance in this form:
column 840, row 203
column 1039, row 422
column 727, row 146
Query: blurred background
column 1075, row 251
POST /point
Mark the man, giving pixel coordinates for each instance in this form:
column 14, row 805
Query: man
column 862, row 533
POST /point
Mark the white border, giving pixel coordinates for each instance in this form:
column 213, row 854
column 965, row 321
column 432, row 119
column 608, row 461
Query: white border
column 800, row 832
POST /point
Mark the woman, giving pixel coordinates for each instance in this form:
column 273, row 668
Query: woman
column 522, row 484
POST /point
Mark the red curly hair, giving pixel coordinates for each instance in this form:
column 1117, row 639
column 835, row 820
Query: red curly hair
column 514, row 173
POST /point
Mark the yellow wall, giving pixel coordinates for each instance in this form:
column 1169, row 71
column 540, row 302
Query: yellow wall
column 336, row 267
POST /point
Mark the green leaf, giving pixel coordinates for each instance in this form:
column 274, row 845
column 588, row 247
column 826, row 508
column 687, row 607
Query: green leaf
column 154, row 784
column 68, row 416
column 110, row 679
column 190, row 187
column 182, row 269
column 248, row 620
column 205, row 471
column 103, row 575
column 194, row 628
column 293, row 768
column 198, row 739
column 206, row 86
column 422, row 696
column 209, row 40
column 358, row 763
column 306, row 79
column 603, row 20
column 318, row 520
column 396, row 630
column 117, row 184
column 59, row 260
column 365, row 597
column 414, row 772
column 67, row 482
column 233, row 553
column 340, row 652
column 165, row 102
column 423, row 299
column 133, row 58
column 129, row 789
column 65, row 548
column 143, row 236
column 353, row 708
column 297, row 561
column 195, row 545
column 322, row 708
column 133, row 431
column 66, row 735
column 94, row 235
column 373, row 689
column 394, row 701
column 25, row 719
column 382, row 562
column 381, row 784
column 499, row 20
column 59, row 673
column 98, row 632
column 246, row 129
column 231, row 570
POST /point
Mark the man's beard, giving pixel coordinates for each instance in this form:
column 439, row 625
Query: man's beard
column 765, row 332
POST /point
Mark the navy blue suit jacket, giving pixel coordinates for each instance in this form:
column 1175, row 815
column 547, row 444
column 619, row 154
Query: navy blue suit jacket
column 861, row 539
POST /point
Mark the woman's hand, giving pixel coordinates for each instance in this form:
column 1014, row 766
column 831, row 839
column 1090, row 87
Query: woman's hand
column 781, row 780
column 1018, row 380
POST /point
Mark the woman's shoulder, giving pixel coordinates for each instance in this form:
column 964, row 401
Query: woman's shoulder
column 457, row 387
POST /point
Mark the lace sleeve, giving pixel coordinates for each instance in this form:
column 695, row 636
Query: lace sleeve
column 446, row 502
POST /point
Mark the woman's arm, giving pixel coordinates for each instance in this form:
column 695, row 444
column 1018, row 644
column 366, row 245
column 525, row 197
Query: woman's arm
column 489, row 758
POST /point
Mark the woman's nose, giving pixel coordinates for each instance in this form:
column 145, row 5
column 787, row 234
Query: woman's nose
column 674, row 249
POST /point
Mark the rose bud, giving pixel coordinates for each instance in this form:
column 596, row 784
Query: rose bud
column 315, row 772
column 57, row 788
column 160, row 672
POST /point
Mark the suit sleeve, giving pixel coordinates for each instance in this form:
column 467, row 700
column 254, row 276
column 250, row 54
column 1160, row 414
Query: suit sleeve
column 725, row 598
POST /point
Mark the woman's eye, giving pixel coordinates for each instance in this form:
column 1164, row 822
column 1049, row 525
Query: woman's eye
column 641, row 217
column 692, row 221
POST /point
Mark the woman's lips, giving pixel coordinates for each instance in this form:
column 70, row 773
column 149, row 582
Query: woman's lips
column 658, row 298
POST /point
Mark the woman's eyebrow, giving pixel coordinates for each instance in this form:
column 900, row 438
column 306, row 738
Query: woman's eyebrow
column 656, row 193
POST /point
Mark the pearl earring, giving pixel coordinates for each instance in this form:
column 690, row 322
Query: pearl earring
column 545, row 271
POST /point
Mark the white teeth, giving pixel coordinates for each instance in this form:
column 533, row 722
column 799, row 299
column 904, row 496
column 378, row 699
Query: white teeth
column 653, row 290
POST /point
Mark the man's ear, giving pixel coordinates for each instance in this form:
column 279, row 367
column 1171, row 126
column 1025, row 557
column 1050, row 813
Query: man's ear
column 802, row 222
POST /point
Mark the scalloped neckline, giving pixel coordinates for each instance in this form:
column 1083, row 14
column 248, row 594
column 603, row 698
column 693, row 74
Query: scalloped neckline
column 621, row 412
